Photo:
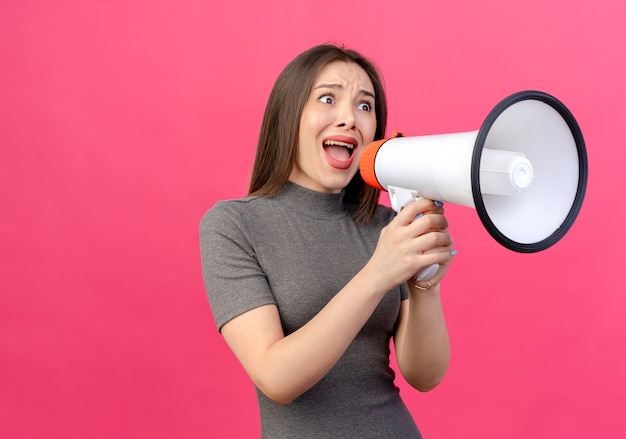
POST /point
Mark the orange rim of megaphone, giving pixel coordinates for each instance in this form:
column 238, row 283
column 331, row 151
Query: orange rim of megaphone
column 368, row 158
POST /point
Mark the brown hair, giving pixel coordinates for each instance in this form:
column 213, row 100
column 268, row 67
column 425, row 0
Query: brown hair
column 278, row 140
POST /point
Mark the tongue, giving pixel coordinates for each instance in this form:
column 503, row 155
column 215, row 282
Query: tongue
column 338, row 152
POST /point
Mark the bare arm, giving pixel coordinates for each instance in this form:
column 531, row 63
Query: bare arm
column 421, row 340
column 284, row 367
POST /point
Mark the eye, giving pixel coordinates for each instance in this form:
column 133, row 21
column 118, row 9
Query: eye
column 365, row 106
column 327, row 99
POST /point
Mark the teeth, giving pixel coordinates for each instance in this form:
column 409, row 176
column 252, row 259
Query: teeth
column 337, row 143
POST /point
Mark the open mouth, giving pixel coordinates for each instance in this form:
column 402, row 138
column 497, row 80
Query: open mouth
column 339, row 150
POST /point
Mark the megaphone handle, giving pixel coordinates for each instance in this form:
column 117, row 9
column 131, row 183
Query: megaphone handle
column 400, row 197
column 426, row 273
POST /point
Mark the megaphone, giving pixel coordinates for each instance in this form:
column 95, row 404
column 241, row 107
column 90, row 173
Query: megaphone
column 524, row 171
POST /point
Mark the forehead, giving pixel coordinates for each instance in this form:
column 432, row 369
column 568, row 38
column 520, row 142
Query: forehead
column 344, row 74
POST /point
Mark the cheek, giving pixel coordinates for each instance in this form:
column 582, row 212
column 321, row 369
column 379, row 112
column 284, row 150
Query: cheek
column 368, row 128
column 304, row 130
column 311, row 123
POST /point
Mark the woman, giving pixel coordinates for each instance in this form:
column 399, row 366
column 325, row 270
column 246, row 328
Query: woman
column 307, row 276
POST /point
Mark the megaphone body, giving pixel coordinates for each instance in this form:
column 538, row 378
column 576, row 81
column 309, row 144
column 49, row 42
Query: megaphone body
column 524, row 170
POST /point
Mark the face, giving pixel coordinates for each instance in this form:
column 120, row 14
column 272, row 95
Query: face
column 338, row 121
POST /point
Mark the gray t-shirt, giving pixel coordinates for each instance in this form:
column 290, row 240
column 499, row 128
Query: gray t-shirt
column 296, row 250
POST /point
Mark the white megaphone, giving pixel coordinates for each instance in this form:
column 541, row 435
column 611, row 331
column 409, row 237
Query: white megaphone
column 524, row 171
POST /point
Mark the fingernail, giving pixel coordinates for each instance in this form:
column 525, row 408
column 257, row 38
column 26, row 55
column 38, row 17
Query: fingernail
column 438, row 203
column 419, row 215
column 453, row 252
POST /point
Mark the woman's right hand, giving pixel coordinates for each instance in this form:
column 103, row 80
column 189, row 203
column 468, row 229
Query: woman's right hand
column 408, row 244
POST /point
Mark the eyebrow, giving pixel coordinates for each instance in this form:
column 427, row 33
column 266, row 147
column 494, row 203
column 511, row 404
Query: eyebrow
column 332, row 85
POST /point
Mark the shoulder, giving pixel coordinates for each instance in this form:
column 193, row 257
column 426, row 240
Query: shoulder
column 237, row 208
column 239, row 216
column 228, row 213
column 228, row 208
column 226, row 228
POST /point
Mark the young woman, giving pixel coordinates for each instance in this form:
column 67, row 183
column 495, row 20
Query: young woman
column 309, row 278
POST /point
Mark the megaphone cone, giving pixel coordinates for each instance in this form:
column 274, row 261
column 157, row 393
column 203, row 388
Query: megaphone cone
column 524, row 170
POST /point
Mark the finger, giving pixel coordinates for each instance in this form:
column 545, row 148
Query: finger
column 432, row 243
column 449, row 256
column 419, row 208
column 431, row 207
column 435, row 207
column 427, row 224
column 412, row 211
column 435, row 241
column 442, row 259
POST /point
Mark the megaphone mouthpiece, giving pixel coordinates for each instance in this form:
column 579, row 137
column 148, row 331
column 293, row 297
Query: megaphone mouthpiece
column 366, row 164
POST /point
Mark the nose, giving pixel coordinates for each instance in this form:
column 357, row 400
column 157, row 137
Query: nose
column 346, row 117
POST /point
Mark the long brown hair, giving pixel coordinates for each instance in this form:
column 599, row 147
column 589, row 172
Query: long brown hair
column 278, row 139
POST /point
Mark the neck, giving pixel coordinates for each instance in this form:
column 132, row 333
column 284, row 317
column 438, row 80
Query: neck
column 312, row 203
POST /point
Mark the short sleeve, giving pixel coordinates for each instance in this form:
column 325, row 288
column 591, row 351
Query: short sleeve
column 404, row 291
column 233, row 279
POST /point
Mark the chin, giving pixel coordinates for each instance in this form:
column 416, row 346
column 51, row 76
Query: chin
column 338, row 185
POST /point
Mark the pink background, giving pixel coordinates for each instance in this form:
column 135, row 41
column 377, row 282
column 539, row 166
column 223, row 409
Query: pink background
column 121, row 122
